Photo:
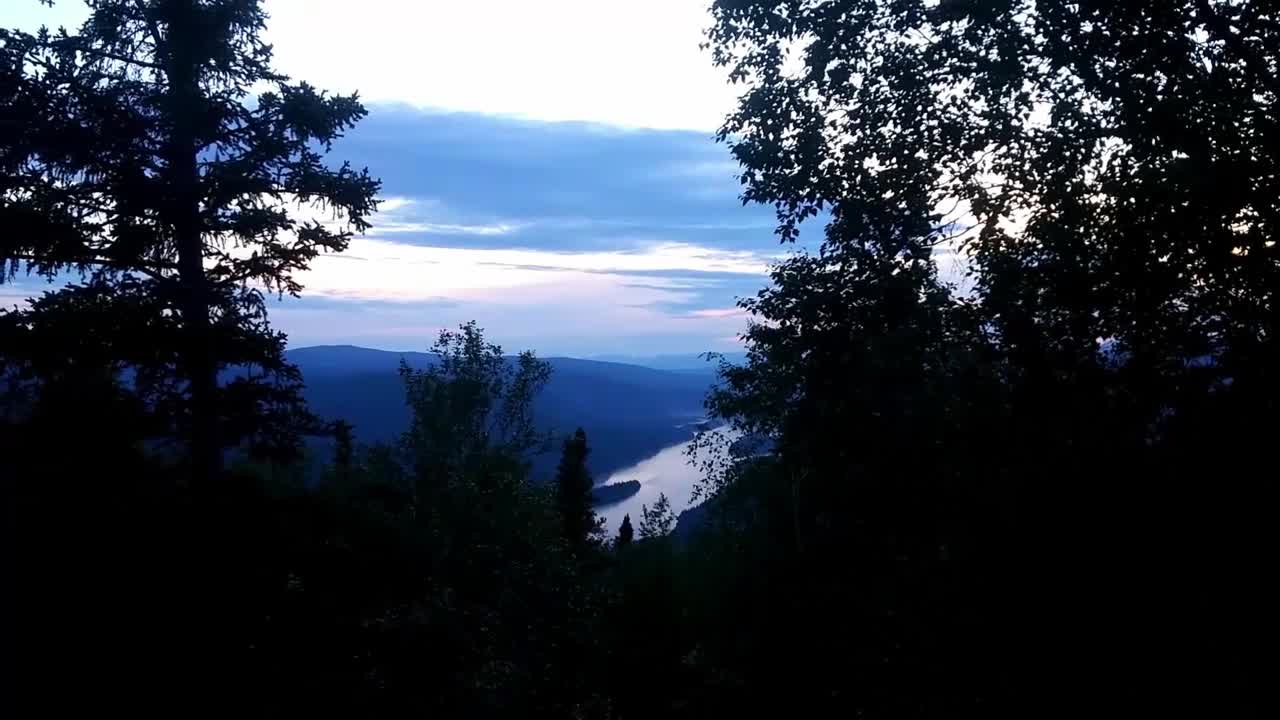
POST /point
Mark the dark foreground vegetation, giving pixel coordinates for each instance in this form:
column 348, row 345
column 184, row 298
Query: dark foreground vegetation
column 1037, row 489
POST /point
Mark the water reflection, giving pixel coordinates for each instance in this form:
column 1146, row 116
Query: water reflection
column 668, row 472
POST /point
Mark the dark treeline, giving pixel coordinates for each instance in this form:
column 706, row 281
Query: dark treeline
column 1032, row 484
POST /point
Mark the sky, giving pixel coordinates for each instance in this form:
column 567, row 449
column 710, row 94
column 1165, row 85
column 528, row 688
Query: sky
column 548, row 169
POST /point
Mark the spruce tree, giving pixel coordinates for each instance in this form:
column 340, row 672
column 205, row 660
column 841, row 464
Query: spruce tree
column 573, row 493
column 625, row 533
column 156, row 155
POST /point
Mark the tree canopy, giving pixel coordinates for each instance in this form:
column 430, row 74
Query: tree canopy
column 1105, row 169
column 155, row 154
column 1096, row 181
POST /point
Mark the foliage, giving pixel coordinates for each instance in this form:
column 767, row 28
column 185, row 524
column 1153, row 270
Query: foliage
column 391, row 586
column 157, row 155
column 1102, row 174
column 658, row 521
column 1035, row 488
column 582, row 529
column 1081, row 147
column 487, row 604
column 472, row 411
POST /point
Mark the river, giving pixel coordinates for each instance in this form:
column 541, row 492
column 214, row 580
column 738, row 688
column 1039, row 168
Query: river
column 668, row 471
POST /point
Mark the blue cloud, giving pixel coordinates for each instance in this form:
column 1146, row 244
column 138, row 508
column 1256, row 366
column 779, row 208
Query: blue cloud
column 564, row 237
column 553, row 186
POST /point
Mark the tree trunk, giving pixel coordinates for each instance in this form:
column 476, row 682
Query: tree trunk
column 197, row 352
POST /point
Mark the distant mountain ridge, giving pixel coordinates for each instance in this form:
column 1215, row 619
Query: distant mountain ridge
column 684, row 362
column 628, row 411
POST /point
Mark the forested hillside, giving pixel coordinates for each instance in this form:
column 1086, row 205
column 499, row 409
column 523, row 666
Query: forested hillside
column 630, row 412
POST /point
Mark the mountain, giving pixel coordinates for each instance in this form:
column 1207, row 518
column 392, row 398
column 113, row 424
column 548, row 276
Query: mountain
column 629, row 412
column 682, row 363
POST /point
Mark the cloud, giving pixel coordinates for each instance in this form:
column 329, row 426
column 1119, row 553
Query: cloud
column 599, row 314
column 478, row 180
column 733, row 312
column 391, row 228
column 626, row 64
column 392, row 271
column 720, row 169
column 558, row 236
column 11, row 298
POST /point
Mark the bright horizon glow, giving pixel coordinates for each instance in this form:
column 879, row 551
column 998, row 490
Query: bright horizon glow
column 374, row 269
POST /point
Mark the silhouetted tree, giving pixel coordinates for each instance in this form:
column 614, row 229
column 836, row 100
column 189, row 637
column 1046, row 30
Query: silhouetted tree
column 573, row 484
column 472, row 412
column 625, row 533
column 156, row 153
column 481, row 610
column 1105, row 175
column 658, row 521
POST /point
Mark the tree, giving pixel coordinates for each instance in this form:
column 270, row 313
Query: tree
column 1081, row 147
column 658, row 521
column 582, row 529
column 156, row 154
column 1102, row 175
column 472, row 412
column 480, row 605
column 625, row 533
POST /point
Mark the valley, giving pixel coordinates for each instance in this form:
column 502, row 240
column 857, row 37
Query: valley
column 629, row 412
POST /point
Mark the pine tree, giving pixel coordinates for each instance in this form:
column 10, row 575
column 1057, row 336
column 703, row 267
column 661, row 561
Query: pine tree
column 573, row 493
column 157, row 155
column 625, row 533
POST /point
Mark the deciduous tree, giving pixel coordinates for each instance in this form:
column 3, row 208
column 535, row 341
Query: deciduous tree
column 656, row 521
